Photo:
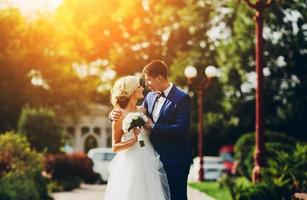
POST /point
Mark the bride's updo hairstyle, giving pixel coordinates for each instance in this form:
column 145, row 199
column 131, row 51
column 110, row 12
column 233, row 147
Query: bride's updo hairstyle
column 122, row 91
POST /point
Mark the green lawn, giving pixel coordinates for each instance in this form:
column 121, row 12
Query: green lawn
column 212, row 189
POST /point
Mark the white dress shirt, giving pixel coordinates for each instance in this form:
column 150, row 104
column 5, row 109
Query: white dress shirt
column 159, row 104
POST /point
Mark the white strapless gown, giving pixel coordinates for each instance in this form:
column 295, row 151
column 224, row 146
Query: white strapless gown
column 137, row 174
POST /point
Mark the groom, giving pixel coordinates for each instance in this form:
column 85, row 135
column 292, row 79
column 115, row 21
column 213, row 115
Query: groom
column 168, row 109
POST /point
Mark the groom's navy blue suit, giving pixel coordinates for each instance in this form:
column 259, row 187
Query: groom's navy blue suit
column 170, row 138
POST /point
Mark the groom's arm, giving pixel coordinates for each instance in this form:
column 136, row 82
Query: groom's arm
column 181, row 125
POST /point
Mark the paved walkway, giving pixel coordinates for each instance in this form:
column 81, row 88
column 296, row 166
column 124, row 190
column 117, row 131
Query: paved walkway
column 196, row 195
column 96, row 192
column 86, row 192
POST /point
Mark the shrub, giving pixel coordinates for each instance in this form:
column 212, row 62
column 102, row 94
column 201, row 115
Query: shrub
column 41, row 129
column 54, row 186
column 40, row 185
column 19, row 187
column 20, row 158
column 21, row 178
column 245, row 146
column 83, row 166
column 261, row 191
column 69, row 170
column 70, row 183
column 242, row 188
column 5, row 163
column 284, row 173
column 58, row 166
column 289, row 168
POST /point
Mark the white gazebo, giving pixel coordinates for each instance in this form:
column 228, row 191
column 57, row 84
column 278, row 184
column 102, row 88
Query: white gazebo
column 89, row 130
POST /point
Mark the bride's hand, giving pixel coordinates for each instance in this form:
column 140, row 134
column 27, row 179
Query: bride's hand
column 136, row 131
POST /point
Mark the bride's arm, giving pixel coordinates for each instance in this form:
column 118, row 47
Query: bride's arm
column 117, row 132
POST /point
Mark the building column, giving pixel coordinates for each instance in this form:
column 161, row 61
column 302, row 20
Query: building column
column 78, row 138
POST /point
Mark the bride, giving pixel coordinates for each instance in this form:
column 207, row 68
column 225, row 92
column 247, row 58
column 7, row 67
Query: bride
column 136, row 172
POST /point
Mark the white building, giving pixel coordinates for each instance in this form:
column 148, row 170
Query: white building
column 90, row 130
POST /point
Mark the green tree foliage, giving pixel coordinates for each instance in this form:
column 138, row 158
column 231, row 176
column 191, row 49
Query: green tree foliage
column 285, row 74
column 41, row 128
column 37, row 49
column 286, row 57
column 12, row 81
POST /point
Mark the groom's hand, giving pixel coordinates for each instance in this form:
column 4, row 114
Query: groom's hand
column 115, row 114
column 149, row 124
column 142, row 109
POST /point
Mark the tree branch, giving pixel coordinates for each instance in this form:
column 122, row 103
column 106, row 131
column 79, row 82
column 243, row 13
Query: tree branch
column 268, row 3
column 250, row 4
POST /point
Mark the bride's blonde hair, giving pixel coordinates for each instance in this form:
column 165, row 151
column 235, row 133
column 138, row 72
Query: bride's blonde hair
column 122, row 91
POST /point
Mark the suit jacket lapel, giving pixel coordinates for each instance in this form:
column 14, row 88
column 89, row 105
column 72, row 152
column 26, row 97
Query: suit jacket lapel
column 152, row 105
column 167, row 101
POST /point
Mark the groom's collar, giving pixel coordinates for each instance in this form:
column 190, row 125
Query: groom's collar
column 167, row 90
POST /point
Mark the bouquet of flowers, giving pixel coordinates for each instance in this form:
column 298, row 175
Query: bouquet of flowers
column 133, row 120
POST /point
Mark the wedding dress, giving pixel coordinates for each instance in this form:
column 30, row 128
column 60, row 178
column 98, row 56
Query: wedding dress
column 137, row 174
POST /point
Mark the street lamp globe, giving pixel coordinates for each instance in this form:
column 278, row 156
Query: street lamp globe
column 211, row 71
column 190, row 72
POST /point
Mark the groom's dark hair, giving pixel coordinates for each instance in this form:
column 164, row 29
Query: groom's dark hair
column 156, row 68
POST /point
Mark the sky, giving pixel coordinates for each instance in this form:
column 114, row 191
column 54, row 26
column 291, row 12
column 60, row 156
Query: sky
column 29, row 8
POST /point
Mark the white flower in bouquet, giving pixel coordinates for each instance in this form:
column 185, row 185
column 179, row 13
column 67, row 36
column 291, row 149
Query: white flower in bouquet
column 133, row 120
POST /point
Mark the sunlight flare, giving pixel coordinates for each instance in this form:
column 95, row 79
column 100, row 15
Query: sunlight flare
column 30, row 8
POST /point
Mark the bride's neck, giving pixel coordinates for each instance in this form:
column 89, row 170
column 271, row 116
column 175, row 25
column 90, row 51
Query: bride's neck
column 131, row 107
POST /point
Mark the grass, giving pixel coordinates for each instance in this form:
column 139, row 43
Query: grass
column 212, row 189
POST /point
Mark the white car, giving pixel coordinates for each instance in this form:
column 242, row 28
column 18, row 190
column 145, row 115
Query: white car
column 213, row 168
column 101, row 158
